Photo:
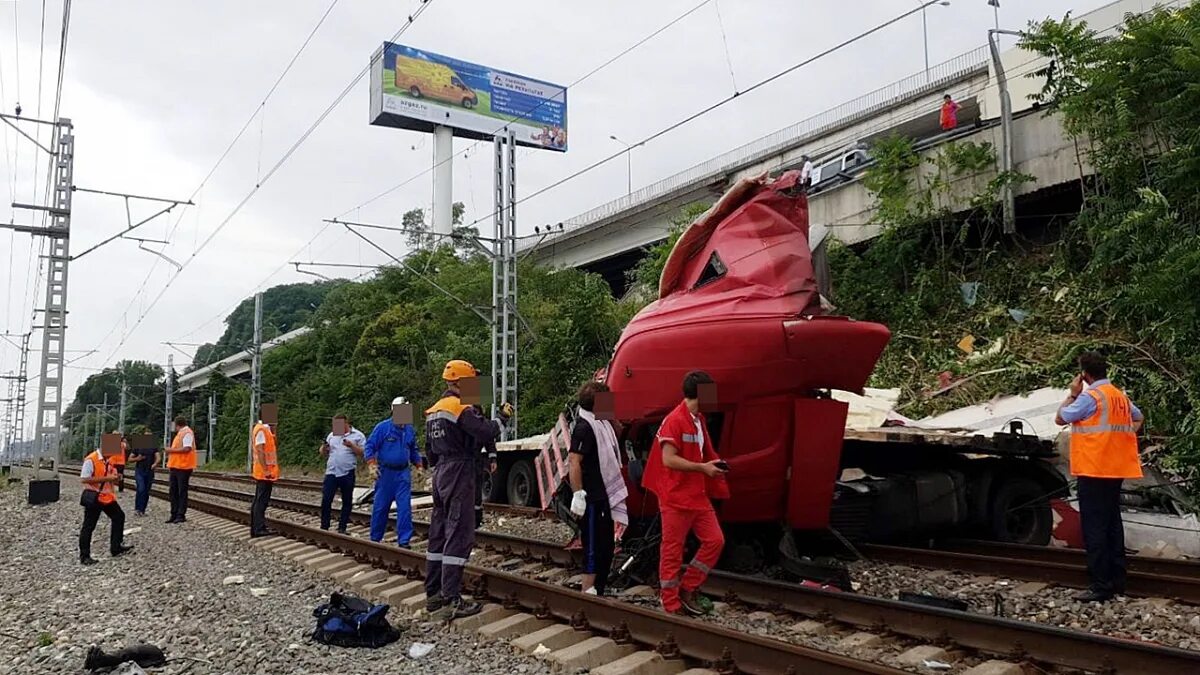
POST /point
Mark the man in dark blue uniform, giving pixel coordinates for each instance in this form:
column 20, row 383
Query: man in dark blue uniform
column 454, row 431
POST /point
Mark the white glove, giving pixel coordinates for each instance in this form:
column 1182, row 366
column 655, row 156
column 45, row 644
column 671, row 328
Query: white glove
column 578, row 503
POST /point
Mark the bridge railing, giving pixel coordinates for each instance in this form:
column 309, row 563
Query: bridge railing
column 911, row 87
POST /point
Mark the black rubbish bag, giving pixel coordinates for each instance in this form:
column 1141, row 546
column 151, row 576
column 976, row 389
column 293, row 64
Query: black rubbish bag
column 348, row 621
column 145, row 655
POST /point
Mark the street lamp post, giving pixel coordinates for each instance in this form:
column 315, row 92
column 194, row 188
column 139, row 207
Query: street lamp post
column 925, row 28
column 628, row 164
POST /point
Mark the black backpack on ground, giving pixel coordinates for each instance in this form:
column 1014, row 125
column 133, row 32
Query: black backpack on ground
column 347, row 621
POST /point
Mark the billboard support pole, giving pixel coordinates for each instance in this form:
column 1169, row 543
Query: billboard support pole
column 443, row 177
column 498, row 249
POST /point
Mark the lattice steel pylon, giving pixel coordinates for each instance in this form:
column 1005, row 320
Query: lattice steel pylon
column 48, row 425
column 504, row 280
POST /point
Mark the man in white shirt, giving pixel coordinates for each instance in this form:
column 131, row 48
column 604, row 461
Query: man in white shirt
column 806, row 173
column 342, row 448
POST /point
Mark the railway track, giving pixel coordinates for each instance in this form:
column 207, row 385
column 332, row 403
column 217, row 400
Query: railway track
column 1022, row 640
column 672, row 637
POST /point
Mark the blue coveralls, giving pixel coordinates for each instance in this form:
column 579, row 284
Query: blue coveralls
column 453, row 435
column 394, row 449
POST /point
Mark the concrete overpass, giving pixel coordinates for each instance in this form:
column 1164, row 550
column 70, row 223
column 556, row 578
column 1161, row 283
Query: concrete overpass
column 237, row 365
column 610, row 238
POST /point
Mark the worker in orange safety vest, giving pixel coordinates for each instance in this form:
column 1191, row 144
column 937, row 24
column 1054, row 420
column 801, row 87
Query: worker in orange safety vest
column 181, row 462
column 265, row 469
column 1104, row 452
column 99, row 478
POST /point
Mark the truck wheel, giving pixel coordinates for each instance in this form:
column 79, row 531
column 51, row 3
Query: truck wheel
column 468, row 103
column 522, row 490
column 1020, row 513
column 414, row 91
column 493, row 486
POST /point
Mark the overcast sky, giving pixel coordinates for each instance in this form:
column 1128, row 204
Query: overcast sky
column 157, row 90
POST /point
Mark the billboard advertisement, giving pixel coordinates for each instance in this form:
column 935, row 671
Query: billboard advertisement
column 417, row 89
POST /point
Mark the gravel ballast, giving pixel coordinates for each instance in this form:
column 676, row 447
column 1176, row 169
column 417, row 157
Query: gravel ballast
column 169, row 592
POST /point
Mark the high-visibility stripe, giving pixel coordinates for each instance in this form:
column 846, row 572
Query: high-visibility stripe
column 453, row 560
column 701, row 566
column 1104, row 428
column 442, row 415
column 669, row 583
column 691, row 438
column 433, row 557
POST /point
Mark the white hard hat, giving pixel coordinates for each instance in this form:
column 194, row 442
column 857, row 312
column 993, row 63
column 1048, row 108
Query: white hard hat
column 399, row 400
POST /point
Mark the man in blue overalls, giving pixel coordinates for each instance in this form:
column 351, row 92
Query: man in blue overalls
column 454, row 432
column 391, row 450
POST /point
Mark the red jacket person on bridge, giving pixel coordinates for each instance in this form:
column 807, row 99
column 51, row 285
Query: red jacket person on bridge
column 685, row 473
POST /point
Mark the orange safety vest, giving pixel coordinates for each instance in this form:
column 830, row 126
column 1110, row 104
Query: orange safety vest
column 270, row 469
column 119, row 458
column 100, row 469
column 182, row 460
column 1105, row 444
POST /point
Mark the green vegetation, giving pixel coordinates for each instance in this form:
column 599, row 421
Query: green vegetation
column 1118, row 278
column 45, row 639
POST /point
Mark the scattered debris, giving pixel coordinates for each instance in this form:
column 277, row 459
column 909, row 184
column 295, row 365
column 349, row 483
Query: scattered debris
column 420, row 649
column 936, row 665
column 233, row 579
column 970, row 292
column 259, row 592
column 967, row 343
column 1018, row 315
column 541, row 650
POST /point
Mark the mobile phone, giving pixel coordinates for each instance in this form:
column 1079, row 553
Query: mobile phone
column 722, row 465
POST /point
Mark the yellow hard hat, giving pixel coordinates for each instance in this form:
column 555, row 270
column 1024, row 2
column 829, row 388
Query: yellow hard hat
column 458, row 369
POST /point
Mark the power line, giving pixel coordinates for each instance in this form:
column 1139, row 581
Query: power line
column 425, row 4
column 221, row 160
column 578, row 81
column 710, row 108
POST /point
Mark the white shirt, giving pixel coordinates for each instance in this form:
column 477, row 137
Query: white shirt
column 259, row 439
column 806, row 171
column 699, row 433
column 342, row 459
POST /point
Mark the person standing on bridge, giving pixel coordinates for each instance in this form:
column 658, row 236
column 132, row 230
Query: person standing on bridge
column 390, row 451
column 454, row 431
column 342, row 448
column 806, row 172
column 949, row 116
column 99, row 478
column 265, row 469
column 1104, row 452
column 181, row 462
column 686, row 474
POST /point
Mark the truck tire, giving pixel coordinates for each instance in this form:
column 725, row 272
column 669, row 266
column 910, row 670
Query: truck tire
column 1020, row 512
column 414, row 91
column 493, row 486
column 468, row 103
column 522, row 487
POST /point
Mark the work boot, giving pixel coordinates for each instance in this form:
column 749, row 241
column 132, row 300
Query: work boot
column 1094, row 596
column 122, row 550
column 463, row 608
column 87, row 560
column 434, row 602
column 696, row 603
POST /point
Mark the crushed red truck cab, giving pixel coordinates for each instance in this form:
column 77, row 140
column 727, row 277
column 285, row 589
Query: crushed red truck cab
column 738, row 298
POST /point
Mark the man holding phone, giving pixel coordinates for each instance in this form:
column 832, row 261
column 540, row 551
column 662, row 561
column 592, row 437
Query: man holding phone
column 686, row 474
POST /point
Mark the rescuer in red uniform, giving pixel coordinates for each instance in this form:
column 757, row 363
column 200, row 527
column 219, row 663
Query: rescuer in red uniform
column 685, row 473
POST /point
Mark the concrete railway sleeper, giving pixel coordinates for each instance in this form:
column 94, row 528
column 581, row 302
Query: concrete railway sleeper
column 1012, row 639
column 634, row 634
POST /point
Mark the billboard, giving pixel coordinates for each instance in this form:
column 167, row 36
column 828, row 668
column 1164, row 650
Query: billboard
column 416, row 89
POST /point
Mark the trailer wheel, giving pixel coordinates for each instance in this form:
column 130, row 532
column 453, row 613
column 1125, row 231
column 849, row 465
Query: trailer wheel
column 1020, row 513
column 521, row 487
column 468, row 103
column 414, row 91
column 493, row 485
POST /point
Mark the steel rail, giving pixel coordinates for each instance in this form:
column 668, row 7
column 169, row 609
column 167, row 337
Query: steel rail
column 1163, row 566
column 1009, row 638
column 1066, row 570
column 672, row 636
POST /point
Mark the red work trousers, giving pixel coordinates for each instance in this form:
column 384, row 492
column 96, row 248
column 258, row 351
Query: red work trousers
column 676, row 523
